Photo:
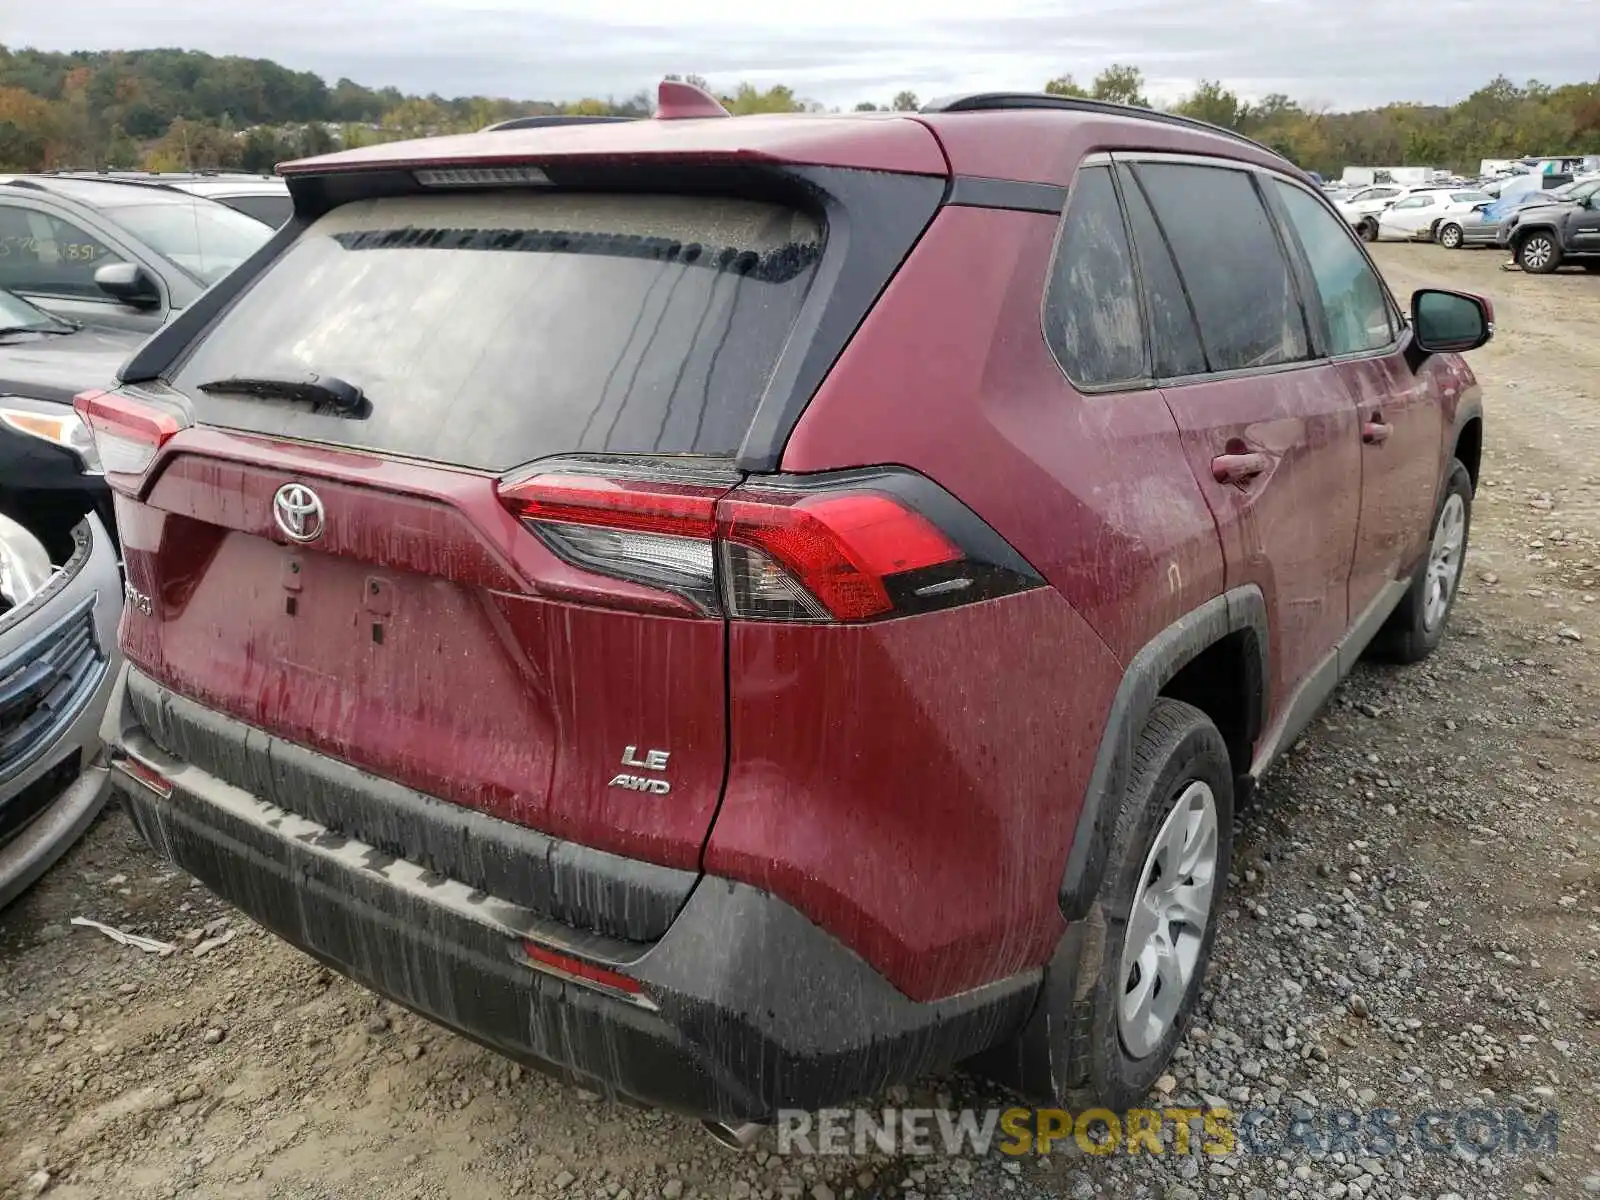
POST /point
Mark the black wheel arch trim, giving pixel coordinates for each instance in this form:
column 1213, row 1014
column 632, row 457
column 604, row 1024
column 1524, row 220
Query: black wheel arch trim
column 1240, row 610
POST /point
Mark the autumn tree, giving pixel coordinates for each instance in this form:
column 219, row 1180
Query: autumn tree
column 26, row 127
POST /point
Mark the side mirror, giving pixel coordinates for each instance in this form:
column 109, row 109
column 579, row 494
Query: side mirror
column 128, row 282
column 1480, row 207
column 1450, row 322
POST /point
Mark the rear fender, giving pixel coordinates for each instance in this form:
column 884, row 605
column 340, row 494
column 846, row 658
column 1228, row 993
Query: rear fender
column 1242, row 610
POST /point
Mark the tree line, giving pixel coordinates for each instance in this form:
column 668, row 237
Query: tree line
column 180, row 109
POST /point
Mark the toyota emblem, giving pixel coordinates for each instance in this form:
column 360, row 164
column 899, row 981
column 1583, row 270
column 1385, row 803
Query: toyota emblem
column 298, row 511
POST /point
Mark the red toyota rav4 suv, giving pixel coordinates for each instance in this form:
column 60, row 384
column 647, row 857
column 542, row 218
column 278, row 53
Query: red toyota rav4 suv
column 742, row 611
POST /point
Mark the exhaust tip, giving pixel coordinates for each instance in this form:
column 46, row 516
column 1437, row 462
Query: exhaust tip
column 733, row 1137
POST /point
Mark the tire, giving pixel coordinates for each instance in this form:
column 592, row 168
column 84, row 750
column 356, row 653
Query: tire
column 1539, row 253
column 1075, row 1048
column 1367, row 229
column 1416, row 627
column 1449, row 236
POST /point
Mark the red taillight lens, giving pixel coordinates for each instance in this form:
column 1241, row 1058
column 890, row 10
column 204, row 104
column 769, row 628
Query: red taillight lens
column 853, row 548
column 839, row 548
column 644, row 506
column 127, row 434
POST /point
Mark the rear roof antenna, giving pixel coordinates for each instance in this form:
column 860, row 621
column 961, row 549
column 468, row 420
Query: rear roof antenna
column 677, row 101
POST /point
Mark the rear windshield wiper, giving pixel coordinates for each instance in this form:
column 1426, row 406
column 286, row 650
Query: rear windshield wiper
column 329, row 390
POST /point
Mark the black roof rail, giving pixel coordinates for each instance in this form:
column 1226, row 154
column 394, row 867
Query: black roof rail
column 538, row 122
column 999, row 101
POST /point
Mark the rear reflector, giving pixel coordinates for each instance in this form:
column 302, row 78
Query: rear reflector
column 127, row 434
column 144, row 773
column 846, row 548
column 577, row 970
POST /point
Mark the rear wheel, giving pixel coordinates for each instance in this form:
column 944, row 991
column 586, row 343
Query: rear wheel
column 1368, row 230
column 1538, row 253
column 1416, row 627
column 1116, row 1001
column 1449, row 236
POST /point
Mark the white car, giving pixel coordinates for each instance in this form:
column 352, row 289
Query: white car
column 1414, row 218
column 1362, row 208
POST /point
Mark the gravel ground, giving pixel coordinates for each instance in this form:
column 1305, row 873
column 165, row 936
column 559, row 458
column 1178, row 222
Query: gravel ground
column 1414, row 925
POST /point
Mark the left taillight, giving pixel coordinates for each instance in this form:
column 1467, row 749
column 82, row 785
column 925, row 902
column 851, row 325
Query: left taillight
column 856, row 546
column 128, row 434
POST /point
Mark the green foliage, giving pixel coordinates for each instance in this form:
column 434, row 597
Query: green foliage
column 178, row 108
column 1065, row 85
column 750, row 99
column 1120, row 84
column 1215, row 103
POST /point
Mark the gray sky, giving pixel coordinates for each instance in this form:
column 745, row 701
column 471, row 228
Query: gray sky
column 1346, row 53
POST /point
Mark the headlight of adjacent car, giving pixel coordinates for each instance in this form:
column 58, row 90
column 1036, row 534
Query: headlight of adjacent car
column 53, row 423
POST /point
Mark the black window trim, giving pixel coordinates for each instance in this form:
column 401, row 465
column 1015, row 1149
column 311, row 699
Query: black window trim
column 1122, row 386
column 1123, row 175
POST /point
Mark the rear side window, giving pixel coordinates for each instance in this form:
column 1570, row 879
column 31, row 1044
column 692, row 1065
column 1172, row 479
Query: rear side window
column 1091, row 312
column 1353, row 299
column 1174, row 339
column 491, row 330
column 1231, row 263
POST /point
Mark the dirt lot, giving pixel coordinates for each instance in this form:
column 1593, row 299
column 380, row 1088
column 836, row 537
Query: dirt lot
column 1415, row 925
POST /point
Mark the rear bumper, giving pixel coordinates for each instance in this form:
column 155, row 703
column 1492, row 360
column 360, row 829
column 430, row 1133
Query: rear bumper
column 750, row 1007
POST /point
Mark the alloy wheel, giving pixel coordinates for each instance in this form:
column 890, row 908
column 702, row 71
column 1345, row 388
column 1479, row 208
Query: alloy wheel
column 1444, row 560
column 1167, row 921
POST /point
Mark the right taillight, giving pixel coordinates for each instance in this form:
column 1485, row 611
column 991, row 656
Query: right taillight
column 127, row 434
column 859, row 546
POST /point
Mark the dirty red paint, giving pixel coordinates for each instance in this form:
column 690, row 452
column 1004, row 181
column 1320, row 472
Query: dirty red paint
column 912, row 785
column 484, row 685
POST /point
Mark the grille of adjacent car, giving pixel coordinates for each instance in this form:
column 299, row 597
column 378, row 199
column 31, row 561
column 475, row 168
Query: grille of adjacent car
column 44, row 686
column 18, row 811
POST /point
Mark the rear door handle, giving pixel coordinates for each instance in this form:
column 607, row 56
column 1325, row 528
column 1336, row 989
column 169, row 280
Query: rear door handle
column 1238, row 469
column 1374, row 432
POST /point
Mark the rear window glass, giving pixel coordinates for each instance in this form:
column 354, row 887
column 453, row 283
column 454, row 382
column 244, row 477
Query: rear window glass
column 491, row 330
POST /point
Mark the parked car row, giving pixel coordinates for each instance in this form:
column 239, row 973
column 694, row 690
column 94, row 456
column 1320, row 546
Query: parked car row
column 1541, row 229
column 89, row 266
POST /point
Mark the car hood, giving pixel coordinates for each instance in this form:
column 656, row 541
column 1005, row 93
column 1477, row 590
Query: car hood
column 52, row 366
column 1543, row 210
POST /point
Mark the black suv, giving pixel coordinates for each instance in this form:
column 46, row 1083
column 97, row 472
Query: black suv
column 1544, row 236
column 118, row 253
